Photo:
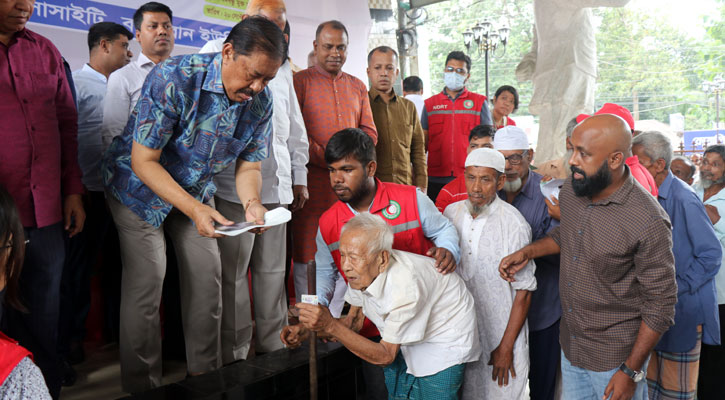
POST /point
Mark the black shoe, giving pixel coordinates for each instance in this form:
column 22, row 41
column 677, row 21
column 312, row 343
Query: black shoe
column 69, row 374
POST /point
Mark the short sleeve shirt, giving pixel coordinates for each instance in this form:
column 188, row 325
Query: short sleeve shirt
column 184, row 111
column 430, row 315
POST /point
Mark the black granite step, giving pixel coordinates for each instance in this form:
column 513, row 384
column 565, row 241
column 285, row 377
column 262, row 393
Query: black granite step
column 282, row 374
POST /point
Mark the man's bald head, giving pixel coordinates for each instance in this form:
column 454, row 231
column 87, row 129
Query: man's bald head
column 601, row 145
column 273, row 10
column 608, row 132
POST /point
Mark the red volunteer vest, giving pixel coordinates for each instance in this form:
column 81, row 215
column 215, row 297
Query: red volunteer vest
column 11, row 353
column 449, row 124
column 398, row 206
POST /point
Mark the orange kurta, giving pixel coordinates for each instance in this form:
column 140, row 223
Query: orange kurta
column 329, row 103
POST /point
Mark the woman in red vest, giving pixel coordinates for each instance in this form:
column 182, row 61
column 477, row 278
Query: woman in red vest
column 19, row 377
column 505, row 102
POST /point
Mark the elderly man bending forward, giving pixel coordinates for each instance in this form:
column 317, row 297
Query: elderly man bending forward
column 427, row 321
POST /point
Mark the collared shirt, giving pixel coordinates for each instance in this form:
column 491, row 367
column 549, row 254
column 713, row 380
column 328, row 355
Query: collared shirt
column 717, row 201
column 486, row 118
column 498, row 231
column 287, row 164
column 431, row 316
column 400, row 141
column 123, row 91
column 545, row 307
column 617, row 270
column 91, row 89
column 38, row 155
column 435, row 227
column 697, row 260
column 329, row 104
column 184, row 111
column 419, row 102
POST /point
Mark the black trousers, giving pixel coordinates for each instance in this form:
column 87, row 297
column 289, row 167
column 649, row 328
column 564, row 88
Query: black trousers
column 712, row 366
column 37, row 330
column 544, row 357
column 82, row 252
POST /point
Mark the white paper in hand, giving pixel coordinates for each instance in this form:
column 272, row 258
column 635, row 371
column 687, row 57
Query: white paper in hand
column 309, row 299
column 278, row 216
column 551, row 188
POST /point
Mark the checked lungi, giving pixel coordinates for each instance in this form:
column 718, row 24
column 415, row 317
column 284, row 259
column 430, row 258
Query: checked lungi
column 442, row 385
column 674, row 375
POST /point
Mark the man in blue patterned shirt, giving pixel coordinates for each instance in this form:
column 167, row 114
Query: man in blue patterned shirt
column 197, row 115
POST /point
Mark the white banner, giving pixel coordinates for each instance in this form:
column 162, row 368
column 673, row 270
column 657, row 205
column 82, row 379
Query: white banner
column 66, row 22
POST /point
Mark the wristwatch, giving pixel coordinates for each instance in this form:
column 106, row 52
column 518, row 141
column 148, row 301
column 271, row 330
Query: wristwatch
column 636, row 376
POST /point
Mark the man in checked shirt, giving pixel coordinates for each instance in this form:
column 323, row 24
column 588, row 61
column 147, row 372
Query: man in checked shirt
column 617, row 278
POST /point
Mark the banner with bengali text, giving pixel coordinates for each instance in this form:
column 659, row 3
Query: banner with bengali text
column 81, row 14
column 66, row 23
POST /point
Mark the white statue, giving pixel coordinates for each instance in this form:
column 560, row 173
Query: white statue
column 563, row 66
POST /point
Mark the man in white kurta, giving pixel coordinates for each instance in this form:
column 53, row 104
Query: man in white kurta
column 486, row 237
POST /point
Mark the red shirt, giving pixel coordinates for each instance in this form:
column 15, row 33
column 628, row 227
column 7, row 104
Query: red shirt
column 641, row 175
column 454, row 191
column 38, row 156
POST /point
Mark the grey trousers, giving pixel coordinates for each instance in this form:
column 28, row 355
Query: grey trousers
column 143, row 253
column 266, row 255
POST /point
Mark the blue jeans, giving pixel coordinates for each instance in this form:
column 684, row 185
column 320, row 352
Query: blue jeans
column 583, row 384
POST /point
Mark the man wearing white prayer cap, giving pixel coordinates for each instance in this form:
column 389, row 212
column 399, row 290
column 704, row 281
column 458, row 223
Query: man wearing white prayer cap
column 513, row 143
column 488, row 228
column 522, row 190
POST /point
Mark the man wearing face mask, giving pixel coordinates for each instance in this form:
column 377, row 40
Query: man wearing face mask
column 446, row 121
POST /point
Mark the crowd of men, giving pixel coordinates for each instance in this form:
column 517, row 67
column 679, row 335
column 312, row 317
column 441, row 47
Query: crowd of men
column 425, row 216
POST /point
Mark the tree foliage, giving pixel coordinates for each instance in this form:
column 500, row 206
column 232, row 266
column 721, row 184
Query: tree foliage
column 449, row 19
column 645, row 64
column 651, row 67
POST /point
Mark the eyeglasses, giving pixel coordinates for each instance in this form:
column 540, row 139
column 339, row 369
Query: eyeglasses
column 459, row 71
column 515, row 159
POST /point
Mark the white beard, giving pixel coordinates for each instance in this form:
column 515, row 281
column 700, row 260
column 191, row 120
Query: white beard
column 512, row 187
column 476, row 210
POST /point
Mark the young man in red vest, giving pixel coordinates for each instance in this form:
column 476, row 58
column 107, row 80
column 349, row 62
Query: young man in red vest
column 447, row 119
column 418, row 226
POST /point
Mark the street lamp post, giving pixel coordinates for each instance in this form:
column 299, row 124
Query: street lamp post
column 717, row 86
column 486, row 40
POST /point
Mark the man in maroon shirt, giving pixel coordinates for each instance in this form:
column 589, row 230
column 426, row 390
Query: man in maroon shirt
column 39, row 168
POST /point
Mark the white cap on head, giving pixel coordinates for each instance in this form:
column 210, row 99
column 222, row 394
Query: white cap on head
column 485, row 157
column 510, row 138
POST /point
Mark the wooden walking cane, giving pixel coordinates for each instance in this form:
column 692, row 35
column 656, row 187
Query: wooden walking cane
column 312, row 289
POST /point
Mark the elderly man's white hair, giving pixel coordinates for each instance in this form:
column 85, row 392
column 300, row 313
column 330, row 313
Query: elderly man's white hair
column 377, row 231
